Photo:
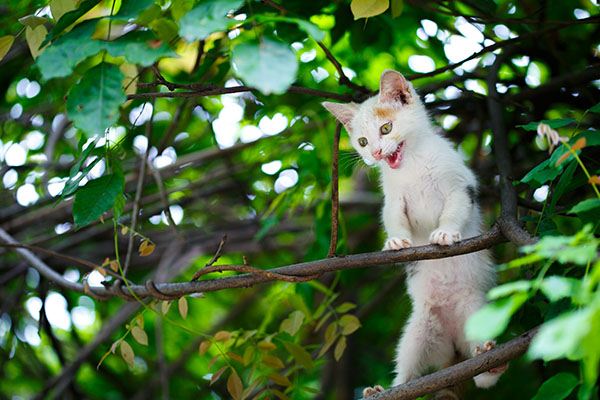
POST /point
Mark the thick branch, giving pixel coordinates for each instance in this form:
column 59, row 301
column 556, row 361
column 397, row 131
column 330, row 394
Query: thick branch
column 459, row 372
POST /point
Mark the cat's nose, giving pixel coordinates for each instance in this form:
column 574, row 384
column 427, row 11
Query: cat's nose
column 377, row 154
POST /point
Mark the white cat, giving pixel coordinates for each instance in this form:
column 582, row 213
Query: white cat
column 430, row 197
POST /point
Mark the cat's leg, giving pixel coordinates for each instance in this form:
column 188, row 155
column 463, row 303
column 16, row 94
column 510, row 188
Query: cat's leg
column 423, row 344
column 397, row 225
column 457, row 209
column 472, row 348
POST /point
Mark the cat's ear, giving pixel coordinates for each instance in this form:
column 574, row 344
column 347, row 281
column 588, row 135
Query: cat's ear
column 343, row 112
column 394, row 88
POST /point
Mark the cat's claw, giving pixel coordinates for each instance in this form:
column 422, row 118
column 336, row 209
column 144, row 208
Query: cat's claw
column 395, row 243
column 370, row 391
column 485, row 347
column 444, row 237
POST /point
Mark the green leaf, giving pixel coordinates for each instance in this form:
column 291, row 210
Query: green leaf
column 553, row 123
column 492, row 319
column 340, row 347
column 595, row 108
column 397, row 7
column 130, row 9
column 509, row 289
column 139, row 48
column 93, row 103
column 561, row 337
column 308, row 27
column 293, row 323
column 270, row 66
column 345, row 307
column 558, row 287
column 301, row 356
column 6, row 43
column 61, row 7
column 368, row 8
column 349, row 324
column 96, row 197
column 585, row 205
column 208, row 17
column 69, row 19
column 557, row 387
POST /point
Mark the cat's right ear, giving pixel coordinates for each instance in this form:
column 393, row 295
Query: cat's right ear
column 343, row 112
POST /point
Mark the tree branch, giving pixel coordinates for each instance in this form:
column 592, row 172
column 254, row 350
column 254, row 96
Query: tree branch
column 459, row 372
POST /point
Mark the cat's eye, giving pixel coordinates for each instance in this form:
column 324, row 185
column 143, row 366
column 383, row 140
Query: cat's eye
column 386, row 128
column 363, row 141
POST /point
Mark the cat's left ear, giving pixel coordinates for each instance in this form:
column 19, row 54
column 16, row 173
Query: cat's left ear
column 394, row 88
column 343, row 112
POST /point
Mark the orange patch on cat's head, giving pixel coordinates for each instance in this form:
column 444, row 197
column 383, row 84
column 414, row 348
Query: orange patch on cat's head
column 384, row 112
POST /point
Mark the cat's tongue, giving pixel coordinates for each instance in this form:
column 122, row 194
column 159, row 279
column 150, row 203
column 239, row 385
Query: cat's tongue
column 395, row 158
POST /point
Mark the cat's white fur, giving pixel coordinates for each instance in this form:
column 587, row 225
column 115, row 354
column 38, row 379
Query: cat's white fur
column 428, row 198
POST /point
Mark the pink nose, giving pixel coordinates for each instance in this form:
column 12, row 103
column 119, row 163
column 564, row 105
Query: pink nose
column 377, row 154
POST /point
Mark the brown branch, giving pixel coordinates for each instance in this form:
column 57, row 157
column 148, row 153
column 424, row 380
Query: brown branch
column 459, row 372
column 138, row 192
column 210, row 90
column 508, row 196
column 335, row 200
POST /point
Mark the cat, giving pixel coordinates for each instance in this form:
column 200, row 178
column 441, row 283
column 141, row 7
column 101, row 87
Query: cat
column 429, row 197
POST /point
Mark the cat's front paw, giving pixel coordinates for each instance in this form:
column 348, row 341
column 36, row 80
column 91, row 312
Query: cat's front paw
column 444, row 237
column 370, row 391
column 395, row 243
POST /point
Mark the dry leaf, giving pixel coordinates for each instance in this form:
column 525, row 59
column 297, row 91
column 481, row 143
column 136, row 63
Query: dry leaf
column 164, row 307
column 139, row 335
column 183, row 307
column 114, row 265
column 124, row 230
column 594, row 179
column 127, row 353
column 272, row 361
column 215, row 377
column 146, row 248
column 280, row 379
column 234, row 385
column 204, row 346
column 102, row 271
column 222, row 336
column 579, row 144
column 266, row 345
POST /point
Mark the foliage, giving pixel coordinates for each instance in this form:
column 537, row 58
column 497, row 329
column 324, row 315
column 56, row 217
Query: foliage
column 215, row 104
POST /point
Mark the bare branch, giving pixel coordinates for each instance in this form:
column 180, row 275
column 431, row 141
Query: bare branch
column 459, row 372
column 335, row 200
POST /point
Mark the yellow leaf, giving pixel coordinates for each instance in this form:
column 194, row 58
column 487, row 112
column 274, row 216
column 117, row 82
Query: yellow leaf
column 579, row 144
column 127, row 353
column 330, row 336
column 130, row 78
column 272, row 361
column 146, row 248
column 6, row 43
column 215, row 377
column 139, row 335
column 280, row 379
column 235, row 357
column 114, row 265
column 102, row 271
column 139, row 320
column 397, row 7
column 106, row 262
column 594, row 179
column 222, row 336
column 349, row 324
column 164, row 307
column 368, row 8
column 182, row 304
column 204, row 346
column 248, row 356
column 124, row 230
column 339, row 348
column 266, row 345
column 34, row 38
column 61, row 7
column 234, row 385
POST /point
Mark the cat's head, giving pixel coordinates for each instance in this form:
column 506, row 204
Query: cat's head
column 381, row 127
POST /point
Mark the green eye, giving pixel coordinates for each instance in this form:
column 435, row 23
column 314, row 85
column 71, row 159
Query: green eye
column 386, row 128
column 363, row 141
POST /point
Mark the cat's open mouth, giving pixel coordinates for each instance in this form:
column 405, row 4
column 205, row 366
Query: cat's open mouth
column 395, row 158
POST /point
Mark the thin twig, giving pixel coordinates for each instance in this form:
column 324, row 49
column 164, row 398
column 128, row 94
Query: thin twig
column 335, row 200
